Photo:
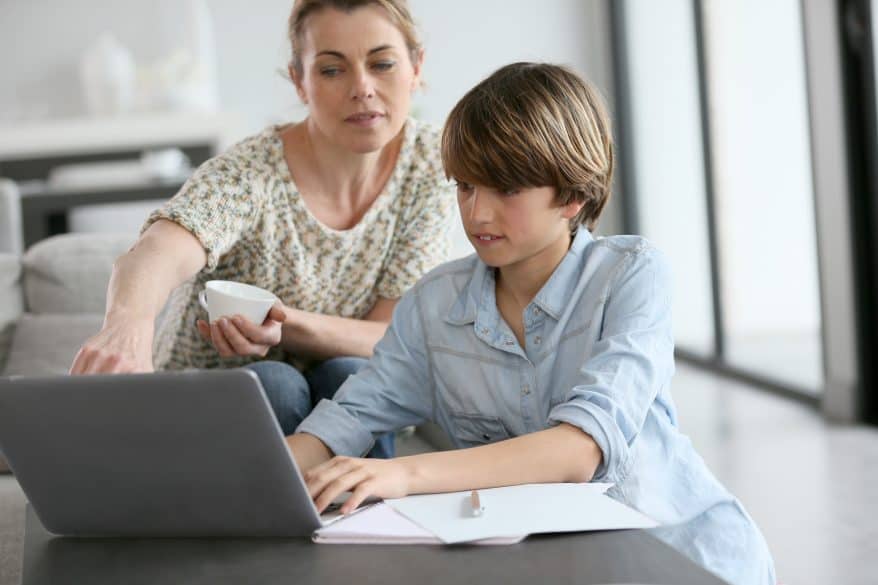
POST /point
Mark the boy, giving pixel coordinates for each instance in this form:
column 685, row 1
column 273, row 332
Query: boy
column 548, row 355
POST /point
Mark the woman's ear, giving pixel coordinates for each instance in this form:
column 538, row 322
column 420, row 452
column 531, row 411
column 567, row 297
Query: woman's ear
column 297, row 82
column 418, row 65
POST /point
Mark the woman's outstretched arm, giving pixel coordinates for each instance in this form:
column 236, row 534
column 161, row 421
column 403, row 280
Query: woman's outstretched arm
column 164, row 257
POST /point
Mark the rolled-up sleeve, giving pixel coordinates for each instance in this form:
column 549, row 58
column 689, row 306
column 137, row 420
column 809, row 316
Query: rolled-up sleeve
column 392, row 391
column 629, row 364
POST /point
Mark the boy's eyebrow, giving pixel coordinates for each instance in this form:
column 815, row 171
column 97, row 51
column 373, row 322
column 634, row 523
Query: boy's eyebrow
column 341, row 55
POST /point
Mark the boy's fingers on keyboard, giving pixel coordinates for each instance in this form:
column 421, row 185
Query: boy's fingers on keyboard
column 319, row 477
column 359, row 495
column 344, row 483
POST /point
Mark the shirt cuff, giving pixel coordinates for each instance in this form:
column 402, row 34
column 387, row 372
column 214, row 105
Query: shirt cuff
column 338, row 429
column 600, row 426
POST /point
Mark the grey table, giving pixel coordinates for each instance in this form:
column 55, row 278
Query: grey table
column 629, row 556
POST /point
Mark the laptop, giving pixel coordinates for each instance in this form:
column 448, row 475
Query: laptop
column 188, row 454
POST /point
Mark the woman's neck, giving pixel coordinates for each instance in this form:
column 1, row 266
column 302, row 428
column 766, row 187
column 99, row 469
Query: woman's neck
column 326, row 170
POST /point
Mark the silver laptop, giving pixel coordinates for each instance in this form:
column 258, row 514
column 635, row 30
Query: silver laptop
column 185, row 454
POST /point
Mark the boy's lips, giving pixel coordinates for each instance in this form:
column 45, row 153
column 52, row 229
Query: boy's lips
column 486, row 239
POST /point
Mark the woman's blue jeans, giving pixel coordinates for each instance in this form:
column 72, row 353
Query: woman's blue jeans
column 293, row 394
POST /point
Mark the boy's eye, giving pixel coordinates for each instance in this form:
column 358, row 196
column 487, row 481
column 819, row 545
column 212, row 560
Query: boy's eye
column 463, row 187
column 510, row 192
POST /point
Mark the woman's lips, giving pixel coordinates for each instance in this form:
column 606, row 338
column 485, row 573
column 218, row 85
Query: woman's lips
column 364, row 119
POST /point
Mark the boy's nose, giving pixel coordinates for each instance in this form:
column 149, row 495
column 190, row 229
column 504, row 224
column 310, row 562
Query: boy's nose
column 481, row 210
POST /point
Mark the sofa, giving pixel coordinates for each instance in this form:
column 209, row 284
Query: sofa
column 51, row 299
column 52, row 296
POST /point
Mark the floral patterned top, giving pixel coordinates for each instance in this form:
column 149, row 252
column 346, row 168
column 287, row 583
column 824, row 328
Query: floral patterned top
column 255, row 228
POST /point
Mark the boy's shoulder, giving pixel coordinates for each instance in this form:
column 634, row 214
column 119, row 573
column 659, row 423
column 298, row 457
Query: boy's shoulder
column 450, row 275
column 626, row 248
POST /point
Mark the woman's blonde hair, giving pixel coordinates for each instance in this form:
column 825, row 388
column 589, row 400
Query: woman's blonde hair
column 397, row 10
column 534, row 125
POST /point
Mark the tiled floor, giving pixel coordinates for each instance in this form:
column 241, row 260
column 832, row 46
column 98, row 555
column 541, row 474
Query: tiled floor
column 810, row 486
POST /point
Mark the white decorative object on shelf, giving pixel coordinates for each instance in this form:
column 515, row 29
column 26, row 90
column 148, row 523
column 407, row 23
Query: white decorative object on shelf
column 185, row 79
column 107, row 74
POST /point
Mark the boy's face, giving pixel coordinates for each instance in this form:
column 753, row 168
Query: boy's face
column 513, row 228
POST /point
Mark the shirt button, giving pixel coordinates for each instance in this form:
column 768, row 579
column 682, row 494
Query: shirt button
column 537, row 310
column 538, row 340
column 509, row 342
column 485, row 331
column 525, row 389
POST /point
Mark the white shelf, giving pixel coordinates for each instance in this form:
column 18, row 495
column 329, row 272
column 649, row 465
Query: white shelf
column 87, row 135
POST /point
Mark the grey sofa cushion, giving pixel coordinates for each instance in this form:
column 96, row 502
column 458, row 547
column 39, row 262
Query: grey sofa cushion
column 69, row 273
column 46, row 344
column 11, row 301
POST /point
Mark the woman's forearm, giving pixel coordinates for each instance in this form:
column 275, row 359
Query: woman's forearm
column 325, row 336
column 560, row 454
column 143, row 278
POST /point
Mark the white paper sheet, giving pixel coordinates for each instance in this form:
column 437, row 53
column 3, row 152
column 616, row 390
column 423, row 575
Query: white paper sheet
column 522, row 509
column 381, row 524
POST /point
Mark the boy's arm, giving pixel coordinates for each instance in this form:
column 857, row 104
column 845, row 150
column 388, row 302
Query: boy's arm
column 629, row 364
column 560, row 454
column 390, row 392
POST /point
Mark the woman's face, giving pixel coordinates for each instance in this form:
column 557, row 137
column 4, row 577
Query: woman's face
column 357, row 77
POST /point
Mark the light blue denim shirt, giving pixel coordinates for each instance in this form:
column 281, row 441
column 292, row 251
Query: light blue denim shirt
column 598, row 355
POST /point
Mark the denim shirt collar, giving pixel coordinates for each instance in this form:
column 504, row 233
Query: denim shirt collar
column 479, row 292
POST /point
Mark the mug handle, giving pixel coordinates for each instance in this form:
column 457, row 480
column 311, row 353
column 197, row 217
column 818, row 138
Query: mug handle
column 202, row 299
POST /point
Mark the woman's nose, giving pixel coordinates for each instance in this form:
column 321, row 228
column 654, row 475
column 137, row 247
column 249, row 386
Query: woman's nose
column 363, row 88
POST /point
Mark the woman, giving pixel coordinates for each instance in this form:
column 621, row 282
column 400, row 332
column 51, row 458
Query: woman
column 337, row 215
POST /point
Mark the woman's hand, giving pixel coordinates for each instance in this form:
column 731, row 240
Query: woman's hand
column 236, row 336
column 120, row 347
column 382, row 478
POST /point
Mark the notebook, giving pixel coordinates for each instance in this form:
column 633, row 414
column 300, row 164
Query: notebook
column 509, row 514
column 521, row 509
column 380, row 524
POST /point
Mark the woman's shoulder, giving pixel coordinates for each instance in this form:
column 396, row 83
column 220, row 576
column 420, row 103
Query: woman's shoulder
column 255, row 153
column 424, row 142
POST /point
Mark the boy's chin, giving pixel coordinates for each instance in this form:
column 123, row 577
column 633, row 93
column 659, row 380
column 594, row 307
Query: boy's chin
column 493, row 260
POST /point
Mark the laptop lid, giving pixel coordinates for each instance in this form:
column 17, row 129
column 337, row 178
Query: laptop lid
column 195, row 453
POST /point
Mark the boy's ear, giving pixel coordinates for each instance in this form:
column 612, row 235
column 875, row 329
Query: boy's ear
column 570, row 210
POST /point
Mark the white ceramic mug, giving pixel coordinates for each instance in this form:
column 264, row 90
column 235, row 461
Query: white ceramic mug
column 226, row 298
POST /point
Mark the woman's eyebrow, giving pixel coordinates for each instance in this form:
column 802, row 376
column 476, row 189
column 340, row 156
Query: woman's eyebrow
column 341, row 55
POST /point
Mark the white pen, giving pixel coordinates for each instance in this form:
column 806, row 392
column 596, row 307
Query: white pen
column 477, row 508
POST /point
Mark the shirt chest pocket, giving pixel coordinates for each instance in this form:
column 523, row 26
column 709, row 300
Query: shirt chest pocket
column 471, row 430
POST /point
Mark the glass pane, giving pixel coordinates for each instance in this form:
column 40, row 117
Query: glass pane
column 763, row 190
column 668, row 157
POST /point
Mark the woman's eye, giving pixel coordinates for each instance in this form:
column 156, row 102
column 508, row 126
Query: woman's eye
column 383, row 65
column 330, row 71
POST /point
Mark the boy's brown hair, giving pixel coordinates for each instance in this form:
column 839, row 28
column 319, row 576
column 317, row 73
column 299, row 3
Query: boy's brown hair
column 534, row 125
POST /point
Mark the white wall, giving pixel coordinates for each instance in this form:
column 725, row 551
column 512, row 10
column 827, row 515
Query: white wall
column 41, row 42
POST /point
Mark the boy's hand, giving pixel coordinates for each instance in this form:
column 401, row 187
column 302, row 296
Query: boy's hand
column 382, row 478
column 237, row 336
